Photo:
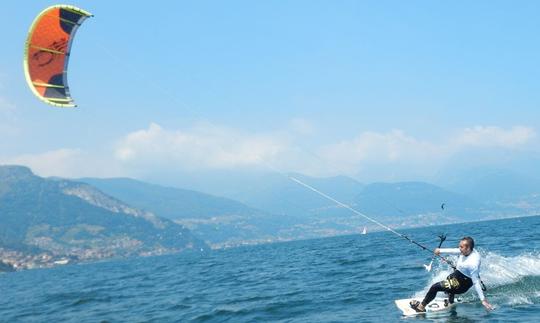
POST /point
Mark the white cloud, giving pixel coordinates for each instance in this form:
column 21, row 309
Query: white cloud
column 373, row 146
column 204, row 146
column 381, row 155
column 66, row 163
column 212, row 147
column 371, row 150
column 481, row 136
column 155, row 149
column 47, row 163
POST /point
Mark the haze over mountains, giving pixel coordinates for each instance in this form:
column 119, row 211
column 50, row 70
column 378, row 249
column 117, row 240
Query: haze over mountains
column 91, row 218
column 286, row 210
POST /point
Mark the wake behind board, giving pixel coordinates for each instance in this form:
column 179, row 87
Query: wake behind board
column 438, row 305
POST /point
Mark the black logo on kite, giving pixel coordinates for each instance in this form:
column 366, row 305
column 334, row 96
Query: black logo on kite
column 45, row 57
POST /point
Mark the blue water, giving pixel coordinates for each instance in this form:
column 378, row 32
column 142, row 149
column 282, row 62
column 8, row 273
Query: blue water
column 340, row 279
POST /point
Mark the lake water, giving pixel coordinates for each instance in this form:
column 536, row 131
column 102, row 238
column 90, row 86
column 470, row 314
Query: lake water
column 339, row 279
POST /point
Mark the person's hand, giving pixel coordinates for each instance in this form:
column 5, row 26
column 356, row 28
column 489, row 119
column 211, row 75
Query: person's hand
column 486, row 304
column 437, row 251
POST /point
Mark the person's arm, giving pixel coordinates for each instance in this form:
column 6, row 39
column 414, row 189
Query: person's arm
column 478, row 287
column 438, row 251
column 480, row 292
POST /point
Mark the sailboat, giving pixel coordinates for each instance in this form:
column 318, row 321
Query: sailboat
column 364, row 231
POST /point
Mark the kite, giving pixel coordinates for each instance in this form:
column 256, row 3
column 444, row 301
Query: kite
column 46, row 53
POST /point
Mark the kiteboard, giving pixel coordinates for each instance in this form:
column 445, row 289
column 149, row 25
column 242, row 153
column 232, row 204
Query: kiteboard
column 436, row 306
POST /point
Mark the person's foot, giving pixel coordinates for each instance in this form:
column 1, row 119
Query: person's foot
column 417, row 306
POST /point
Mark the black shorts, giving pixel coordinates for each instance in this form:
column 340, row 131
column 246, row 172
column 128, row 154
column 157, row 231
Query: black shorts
column 456, row 283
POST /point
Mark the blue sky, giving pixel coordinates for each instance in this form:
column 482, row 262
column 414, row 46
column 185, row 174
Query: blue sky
column 378, row 90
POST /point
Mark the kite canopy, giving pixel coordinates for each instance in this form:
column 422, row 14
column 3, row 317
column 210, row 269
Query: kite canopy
column 47, row 50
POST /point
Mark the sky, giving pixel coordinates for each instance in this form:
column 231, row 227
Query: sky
column 375, row 90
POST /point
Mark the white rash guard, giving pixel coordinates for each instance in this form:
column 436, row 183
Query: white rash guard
column 469, row 266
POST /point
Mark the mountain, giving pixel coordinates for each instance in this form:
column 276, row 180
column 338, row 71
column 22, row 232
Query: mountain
column 289, row 210
column 495, row 184
column 506, row 179
column 294, row 211
column 401, row 204
column 279, row 208
column 269, row 191
column 274, row 207
column 218, row 221
column 479, row 193
column 169, row 202
column 59, row 218
column 418, row 203
column 507, row 191
column 280, row 194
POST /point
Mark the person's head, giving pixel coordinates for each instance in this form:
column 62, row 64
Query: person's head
column 466, row 245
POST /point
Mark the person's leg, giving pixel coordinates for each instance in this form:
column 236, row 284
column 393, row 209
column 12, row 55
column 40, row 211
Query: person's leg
column 451, row 298
column 433, row 290
column 450, row 285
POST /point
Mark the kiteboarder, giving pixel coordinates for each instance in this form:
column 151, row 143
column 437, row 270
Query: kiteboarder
column 465, row 275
